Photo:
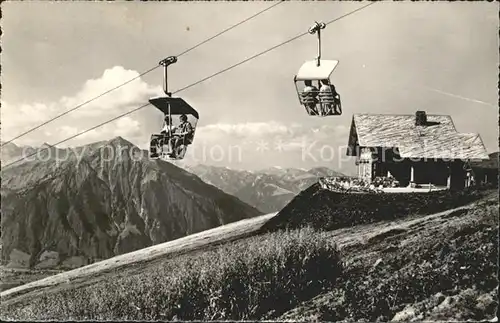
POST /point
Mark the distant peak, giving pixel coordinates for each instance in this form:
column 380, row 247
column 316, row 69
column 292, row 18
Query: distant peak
column 120, row 141
column 119, row 138
column 94, row 144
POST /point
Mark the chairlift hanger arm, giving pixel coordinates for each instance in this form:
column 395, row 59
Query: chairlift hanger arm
column 165, row 63
column 316, row 28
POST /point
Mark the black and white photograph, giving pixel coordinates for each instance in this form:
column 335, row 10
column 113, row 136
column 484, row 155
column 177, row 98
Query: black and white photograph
column 307, row 161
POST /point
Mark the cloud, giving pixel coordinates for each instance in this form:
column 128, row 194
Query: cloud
column 132, row 94
column 260, row 130
column 17, row 119
column 264, row 144
column 66, row 131
column 126, row 127
column 287, row 136
column 243, row 130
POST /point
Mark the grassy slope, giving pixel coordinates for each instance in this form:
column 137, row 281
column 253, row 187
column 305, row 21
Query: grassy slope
column 435, row 266
column 134, row 261
column 245, row 279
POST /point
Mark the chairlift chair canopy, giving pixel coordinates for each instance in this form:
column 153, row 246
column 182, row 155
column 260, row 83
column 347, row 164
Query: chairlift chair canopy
column 310, row 71
column 177, row 106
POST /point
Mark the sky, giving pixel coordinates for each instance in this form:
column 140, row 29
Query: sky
column 395, row 57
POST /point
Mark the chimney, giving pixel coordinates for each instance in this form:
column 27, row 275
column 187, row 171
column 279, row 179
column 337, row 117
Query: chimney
column 420, row 118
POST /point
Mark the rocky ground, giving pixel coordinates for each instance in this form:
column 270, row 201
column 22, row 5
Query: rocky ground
column 435, row 267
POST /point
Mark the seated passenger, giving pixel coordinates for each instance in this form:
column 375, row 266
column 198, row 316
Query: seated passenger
column 329, row 98
column 309, row 99
column 165, row 130
column 166, row 124
column 183, row 135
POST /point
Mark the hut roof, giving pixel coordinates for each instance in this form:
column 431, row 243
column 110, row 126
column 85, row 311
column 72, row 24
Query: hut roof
column 437, row 138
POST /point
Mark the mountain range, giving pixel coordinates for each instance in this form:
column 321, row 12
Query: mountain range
column 269, row 190
column 100, row 200
column 70, row 207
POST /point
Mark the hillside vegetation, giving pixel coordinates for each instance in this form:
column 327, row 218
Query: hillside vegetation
column 248, row 279
column 327, row 210
column 441, row 267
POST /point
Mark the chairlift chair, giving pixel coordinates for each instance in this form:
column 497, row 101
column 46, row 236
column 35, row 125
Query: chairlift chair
column 171, row 107
column 311, row 77
column 160, row 144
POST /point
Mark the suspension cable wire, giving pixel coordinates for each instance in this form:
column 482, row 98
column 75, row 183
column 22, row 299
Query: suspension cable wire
column 267, row 50
column 229, row 28
column 198, row 82
column 78, row 134
column 140, row 75
column 76, row 107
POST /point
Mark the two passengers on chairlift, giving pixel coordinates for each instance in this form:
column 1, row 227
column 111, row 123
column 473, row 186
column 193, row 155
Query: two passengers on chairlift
column 176, row 135
column 326, row 96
